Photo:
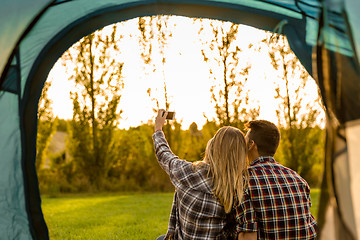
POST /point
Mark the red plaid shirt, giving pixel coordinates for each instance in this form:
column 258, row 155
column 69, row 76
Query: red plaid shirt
column 276, row 204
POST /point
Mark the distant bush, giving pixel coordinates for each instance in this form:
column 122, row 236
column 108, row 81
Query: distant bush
column 135, row 167
column 62, row 125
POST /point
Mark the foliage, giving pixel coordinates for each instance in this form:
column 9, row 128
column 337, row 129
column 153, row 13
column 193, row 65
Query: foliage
column 97, row 75
column 46, row 126
column 136, row 166
column 153, row 41
column 193, row 147
column 308, row 153
column 195, row 141
column 62, row 125
column 154, row 36
column 222, row 53
column 302, row 144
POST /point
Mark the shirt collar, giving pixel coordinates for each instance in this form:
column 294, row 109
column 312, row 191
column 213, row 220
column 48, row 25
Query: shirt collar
column 262, row 159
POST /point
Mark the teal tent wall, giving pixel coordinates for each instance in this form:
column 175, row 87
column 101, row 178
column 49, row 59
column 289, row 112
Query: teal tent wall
column 33, row 35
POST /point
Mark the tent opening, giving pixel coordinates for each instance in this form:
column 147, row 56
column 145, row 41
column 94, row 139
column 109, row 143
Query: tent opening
column 96, row 111
column 322, row 34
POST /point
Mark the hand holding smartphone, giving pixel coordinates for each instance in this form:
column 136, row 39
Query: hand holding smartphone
column 160, row 120
column 170, row 115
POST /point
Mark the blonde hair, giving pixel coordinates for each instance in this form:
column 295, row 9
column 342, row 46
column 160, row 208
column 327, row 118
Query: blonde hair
column 226, row 155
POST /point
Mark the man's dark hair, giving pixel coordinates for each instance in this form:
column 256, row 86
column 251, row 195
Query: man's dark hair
column 265, row 135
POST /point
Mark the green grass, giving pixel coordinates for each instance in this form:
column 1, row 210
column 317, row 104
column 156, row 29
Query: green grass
column 315, row 197
column 132, row 216
column 114, row 216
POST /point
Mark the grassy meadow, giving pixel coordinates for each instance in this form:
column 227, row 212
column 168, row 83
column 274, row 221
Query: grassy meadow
column 121, row 216
column 113, row 216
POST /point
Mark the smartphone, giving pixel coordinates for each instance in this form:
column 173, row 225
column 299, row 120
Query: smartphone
column 170, row 115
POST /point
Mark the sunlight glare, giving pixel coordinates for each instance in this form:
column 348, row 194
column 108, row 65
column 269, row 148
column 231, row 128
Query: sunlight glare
column 187, row 78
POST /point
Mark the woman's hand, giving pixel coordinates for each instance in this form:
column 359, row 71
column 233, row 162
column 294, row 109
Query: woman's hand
column 160, row 119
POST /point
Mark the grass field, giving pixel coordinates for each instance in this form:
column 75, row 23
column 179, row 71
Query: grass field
column 122, row 216
column 113, row 216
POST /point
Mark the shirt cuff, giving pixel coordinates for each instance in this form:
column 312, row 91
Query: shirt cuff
column 247, row 227
column 158, row 133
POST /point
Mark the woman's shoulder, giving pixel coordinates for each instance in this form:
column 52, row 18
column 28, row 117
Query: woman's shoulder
column 199, row 166
column 193, row 175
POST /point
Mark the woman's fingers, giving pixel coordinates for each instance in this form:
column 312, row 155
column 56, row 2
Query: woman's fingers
column 162, row 113
column 160, row 119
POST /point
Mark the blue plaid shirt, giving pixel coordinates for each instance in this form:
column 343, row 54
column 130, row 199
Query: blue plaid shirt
column 276, row 204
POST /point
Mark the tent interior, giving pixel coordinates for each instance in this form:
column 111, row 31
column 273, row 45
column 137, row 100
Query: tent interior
column 323, row 34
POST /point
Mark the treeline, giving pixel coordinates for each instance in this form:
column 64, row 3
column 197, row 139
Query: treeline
column 133, row 165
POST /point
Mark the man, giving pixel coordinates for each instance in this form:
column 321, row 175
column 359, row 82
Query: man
column 277, row 203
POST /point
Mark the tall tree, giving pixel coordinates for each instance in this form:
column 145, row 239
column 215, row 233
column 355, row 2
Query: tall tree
column 154, row 37
column 46, row 126
column 298, row 116
column 97, row 74
column 155, row 34
column 222, row 53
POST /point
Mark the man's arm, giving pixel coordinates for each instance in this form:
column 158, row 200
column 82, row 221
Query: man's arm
column 246, row 221
column 247, row 236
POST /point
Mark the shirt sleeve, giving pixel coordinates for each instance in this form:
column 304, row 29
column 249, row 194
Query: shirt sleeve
column 308, row 195
column 166, row 158
column 245, row 215
column 173, row 217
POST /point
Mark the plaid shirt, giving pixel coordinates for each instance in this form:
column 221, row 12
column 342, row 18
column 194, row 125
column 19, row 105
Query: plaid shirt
column 195, row 213
column 276, row 204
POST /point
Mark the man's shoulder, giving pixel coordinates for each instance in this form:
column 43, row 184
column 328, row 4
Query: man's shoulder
column 273, row 169
column 264, row 167
column 270, row 165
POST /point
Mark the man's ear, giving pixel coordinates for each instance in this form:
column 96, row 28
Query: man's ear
column 255, row 147
column 251, row 145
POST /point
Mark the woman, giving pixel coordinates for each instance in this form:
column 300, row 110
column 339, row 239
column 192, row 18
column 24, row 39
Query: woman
column 205, row 190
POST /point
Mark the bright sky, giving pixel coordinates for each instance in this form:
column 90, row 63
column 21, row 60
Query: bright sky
column 187, row 78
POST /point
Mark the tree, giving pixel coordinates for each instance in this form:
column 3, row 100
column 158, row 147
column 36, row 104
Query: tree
column 193, row 144
column 222, row 53
column 46, row 126
column 299, row 120
column 136, row 167
column 155, row 35
column 97, row 75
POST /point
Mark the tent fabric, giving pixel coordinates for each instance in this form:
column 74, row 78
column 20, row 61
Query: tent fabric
column 341, row 174
column 17, row 15
column 11, row 83
column 352, row 10
column 33, row 35
column 352, row 135
column 292, row 10
column 337, row 75
column 13, row 218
